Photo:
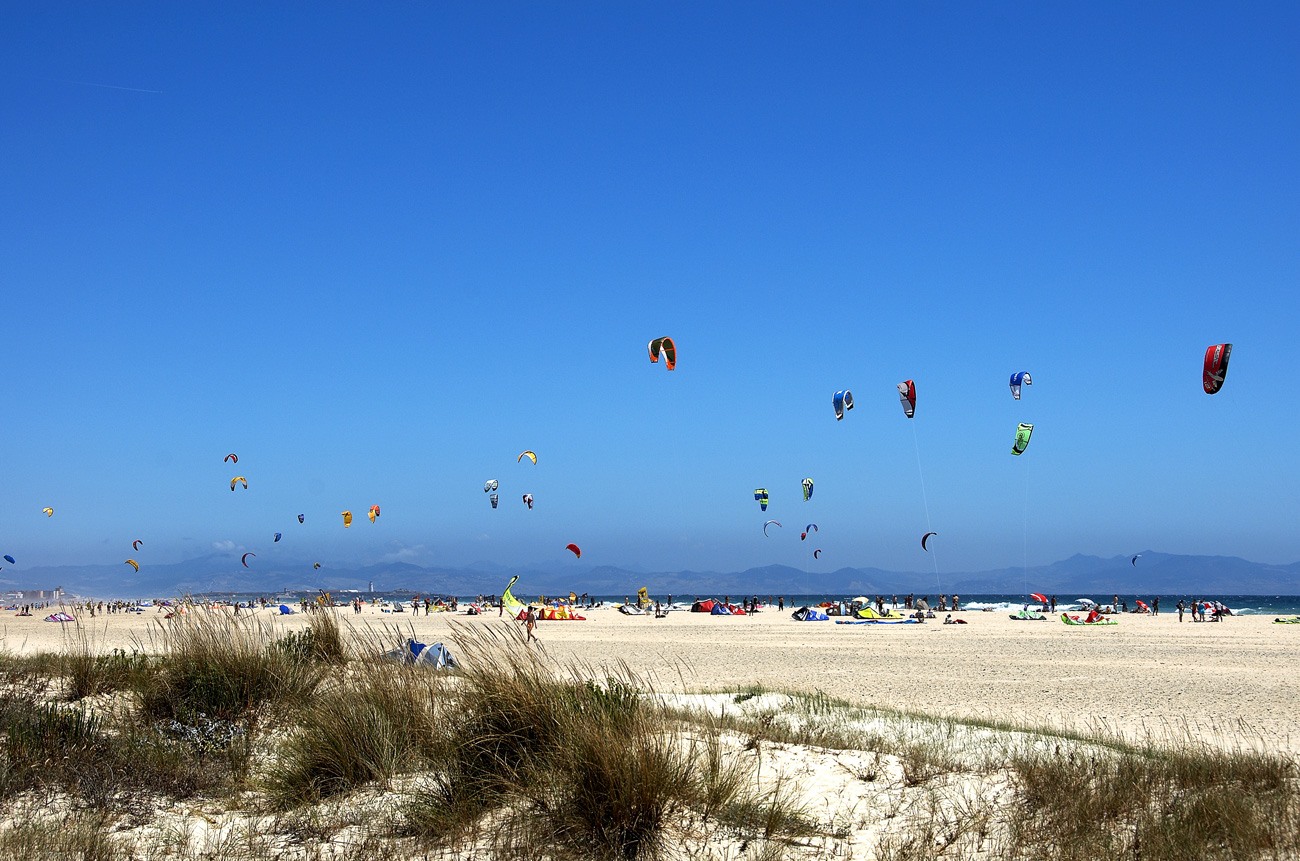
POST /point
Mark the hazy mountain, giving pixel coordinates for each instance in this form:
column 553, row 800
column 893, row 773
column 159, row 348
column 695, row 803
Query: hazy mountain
column 1154, row 572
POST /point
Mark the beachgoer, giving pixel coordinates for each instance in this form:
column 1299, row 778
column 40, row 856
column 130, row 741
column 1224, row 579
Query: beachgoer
column 956, row 603
column 780, row 602
column 1155, row 606
column 530, row 622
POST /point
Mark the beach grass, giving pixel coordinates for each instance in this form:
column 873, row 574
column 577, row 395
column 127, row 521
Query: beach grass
column 222, row 737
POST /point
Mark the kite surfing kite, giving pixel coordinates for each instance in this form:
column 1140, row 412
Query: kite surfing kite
column 760, row 496
column 528, row 500
column 239, row 479
column 1216, row 367
column 575, row 549
column 493, row 499
column 47, row 511
column 490, row 485
column 925, row 538
column 244, row 559
column 133, row 564
column 135, row 545
column 315, row 566
column 531, row 455
column 373, row 514
column 347, row 519
column 277, row 538
column 1134, row 560
column 1018, row 379
column 666, row 348
column 907, row 394
column 302, row 518
column 817, row 554
column 231, row 458
column 1023, row 432
column 10, row 559
column 811, row 527
column 769, row 523
column 843, row 402
column 807, row 489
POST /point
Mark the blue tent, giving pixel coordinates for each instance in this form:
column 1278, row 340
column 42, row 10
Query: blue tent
column 809, row 614
column 436, row 655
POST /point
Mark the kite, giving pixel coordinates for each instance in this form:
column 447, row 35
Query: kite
column 231, row 458
column 577, row 551
column 315, row 566
column 907, row 394
column 10, row 559
column 244, row 559
column 811, row 527
column 373, row 513
column 133, row 564
column 277, row 538
column 47, row 511
column 760, row 496
column 239, row 479
column 1134, row 560
column 302, row 518
column 1023, row 432
column 135, row 545
column 769, row 523
column 1216, row 367
column 531, row 455
column 807, row 489
column 347, row 519
column 667, row 348
column 1017, row 379
column 843, row 402
column 817, row 554
column 490, row 485
column 493, row 499
column 925, row 538
column 528, row 500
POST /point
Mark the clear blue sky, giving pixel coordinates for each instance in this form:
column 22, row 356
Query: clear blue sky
column 378, row 250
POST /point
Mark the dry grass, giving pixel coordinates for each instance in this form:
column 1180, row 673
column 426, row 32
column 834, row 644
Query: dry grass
column 518, row 757
column 1158, row 804
column 215, row 667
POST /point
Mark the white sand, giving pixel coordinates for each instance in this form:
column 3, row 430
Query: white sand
column 1228, row 682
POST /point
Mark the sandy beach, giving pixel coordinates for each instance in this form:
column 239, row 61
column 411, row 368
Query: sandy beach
column 1226, row 682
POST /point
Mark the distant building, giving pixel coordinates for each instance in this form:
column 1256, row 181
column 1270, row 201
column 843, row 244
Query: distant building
column 22, row 595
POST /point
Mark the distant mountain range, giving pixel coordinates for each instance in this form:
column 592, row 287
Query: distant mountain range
column 1154, row 573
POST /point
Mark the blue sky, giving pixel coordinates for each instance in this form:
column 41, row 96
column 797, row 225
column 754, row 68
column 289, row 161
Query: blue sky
column 378, row 251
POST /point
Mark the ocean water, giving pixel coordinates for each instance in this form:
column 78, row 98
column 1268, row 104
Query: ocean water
column 1242, row 605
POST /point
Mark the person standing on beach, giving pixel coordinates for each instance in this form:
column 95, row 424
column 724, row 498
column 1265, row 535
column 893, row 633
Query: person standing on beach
column 1180, row 609
column 1155, row 606
column 530, row 622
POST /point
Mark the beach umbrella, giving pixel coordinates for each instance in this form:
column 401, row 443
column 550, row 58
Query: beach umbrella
column 1042, row 599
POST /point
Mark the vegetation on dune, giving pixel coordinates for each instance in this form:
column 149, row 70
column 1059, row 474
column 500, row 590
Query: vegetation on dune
column 515, row 756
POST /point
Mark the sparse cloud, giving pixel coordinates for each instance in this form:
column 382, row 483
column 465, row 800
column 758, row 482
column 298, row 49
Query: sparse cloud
column 226, row 546
column 417, row 554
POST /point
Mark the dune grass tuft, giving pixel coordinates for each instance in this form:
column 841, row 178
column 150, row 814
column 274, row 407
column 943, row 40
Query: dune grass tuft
column 220, row 668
